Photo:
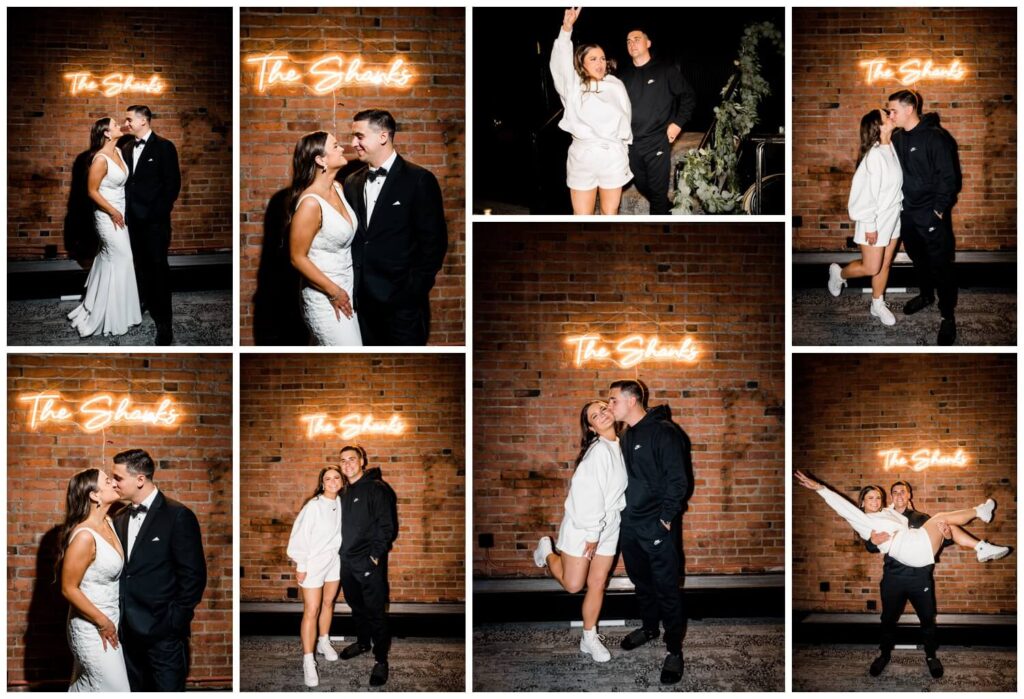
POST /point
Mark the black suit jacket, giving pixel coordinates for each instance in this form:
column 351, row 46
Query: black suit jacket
column 397, row 256
column 153, row 186
column 164, row 577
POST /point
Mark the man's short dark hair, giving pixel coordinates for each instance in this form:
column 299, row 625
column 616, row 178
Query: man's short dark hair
column 357, row 449
column 908, row 97
column 642, row 30
column 635, row 388
column 910, row 491
column 380, row 119
column 137, row 461
column 141, row 109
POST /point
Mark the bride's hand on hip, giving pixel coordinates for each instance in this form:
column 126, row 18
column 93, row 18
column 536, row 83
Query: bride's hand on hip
column 806, row 481
column 300, row 577
column 118, row 218
column 108, row 634
column 341, row 302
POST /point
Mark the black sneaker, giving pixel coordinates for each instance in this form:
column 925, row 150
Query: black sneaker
column 637, row 638
column 672, row 669
column 947, row 331
column 379, row 673
column 916, row 304
column 935, row 667
column 352, row 651
column 878, row 665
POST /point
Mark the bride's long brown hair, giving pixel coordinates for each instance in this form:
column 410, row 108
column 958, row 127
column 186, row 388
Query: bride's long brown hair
column 870, row 132
column 76, row 509
column 304, row 169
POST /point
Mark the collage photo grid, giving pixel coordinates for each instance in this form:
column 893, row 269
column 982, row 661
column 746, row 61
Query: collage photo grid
column 459, row 347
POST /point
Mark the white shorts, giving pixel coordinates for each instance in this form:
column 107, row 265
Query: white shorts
column 572, row 540
column 322, row 569
column 860, row 236
column 594, row 164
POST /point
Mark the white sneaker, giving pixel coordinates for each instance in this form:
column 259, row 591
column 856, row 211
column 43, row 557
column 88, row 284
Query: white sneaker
column 309, row 671
column 985, row 511
column 591, row 644
column 324, row 648
column 880, row 310
column 543, row 550
column 835, row 279
column 990, row 552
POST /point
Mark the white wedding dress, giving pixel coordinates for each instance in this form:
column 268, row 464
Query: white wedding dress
column 331, row 252
column 111, row 302
column 96, row 669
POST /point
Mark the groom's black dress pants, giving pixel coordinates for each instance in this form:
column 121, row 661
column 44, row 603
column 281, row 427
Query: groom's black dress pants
column 930, row 244
column 366, row 591
column 914, row 585
column 150, row 242
column 652, row 563
column 155, row 665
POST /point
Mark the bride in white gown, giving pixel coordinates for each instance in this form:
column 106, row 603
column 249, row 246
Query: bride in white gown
column 90, row 563
column 320, row 240
column 111, row 301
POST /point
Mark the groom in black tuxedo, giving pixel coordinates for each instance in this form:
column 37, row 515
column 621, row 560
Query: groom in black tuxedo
column 163, row 578
column 401, row 239
column 154, row 182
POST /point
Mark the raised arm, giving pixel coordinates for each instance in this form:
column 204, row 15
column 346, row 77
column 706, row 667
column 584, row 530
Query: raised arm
column 562, row 70
column 853, row 515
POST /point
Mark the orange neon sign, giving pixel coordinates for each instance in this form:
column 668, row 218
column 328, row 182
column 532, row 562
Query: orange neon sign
column 350, row 426
column 922, row 459
column 113, row 84
column 97, row 412
column 912, row 71
column 327, row 73
column 631, row 350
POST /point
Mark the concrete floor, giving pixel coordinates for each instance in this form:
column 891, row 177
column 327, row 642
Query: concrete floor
column 844, row 668
column 819, row 319
column 274, row 664
column 721, row 655
column 200, row 318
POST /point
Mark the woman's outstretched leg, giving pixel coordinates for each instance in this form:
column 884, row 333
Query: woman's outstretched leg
column 569, row 571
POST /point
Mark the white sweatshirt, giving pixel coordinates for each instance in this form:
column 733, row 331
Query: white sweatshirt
column 598, row 488
column 602, row 113
column 876, row 196
column 910, row 547
column 316, row 532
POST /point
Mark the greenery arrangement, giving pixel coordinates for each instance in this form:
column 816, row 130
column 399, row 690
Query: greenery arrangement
column 708, row 182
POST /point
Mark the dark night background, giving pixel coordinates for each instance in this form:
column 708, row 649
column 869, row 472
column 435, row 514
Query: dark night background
column 515, row 99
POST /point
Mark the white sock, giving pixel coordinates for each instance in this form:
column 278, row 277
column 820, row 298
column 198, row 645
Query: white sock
column 590, row 633
column 307, row 656
column 878, row 299
column 978, row 545
column 323, row 638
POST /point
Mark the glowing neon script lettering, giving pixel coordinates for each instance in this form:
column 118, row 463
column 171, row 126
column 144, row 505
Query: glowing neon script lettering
column 350, row 426
column 631, row 350
column 922, row 459
column 97, row 412
column 329, row 73
column 912, row 71
column 114, row 84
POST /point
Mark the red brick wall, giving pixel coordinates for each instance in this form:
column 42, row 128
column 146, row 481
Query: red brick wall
column 425, row 464
column 848, row 408
column 536, row 284
column 190, row 49
column 430, row 115
column 830, row 95
column 193, row 466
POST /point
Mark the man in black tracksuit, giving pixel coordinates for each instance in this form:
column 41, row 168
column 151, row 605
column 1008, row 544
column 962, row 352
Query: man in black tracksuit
column 931, row 181
column 902, row 583
column 657, row 456
column 662, row 103
column 369, row 525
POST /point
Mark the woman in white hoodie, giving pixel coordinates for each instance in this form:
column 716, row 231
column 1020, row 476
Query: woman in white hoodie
column 598, row 115
column 876, row 199
column 314, row 545
column 918, row 547
column 589, row 535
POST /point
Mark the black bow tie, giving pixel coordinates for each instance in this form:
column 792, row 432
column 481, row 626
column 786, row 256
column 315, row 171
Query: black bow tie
column 140, row 142
column 374, row 174
column 140, row 510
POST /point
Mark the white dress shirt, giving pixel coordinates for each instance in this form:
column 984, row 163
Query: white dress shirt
column 372, row 189
column 137, row 151
column 135, row 523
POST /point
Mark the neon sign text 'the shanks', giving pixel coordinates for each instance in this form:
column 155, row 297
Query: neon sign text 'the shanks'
column 922, row 459
column 97, row 412
column 911, row 71
column 325, row 74
column 350, row 426
column 631, row 350
column 112, row 84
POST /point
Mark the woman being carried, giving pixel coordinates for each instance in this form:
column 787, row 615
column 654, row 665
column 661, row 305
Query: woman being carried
column 911, row 547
